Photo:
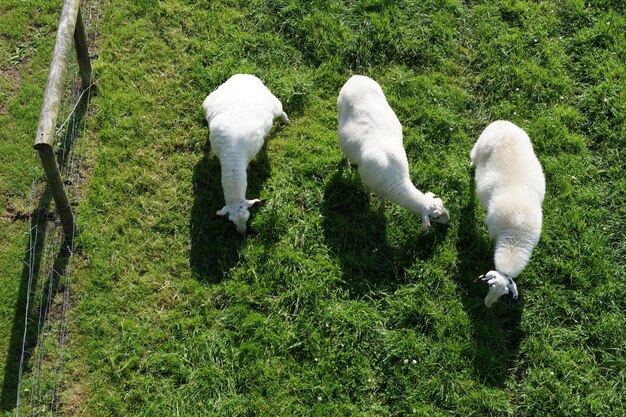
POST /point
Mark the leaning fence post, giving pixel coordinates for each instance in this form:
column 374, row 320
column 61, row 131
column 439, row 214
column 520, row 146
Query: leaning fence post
column 82, row 52
column 70, row 26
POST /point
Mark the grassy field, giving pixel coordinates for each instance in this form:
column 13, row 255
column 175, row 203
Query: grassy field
column 27, row 31
column 329, row 307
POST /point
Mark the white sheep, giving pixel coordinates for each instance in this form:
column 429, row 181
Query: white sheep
column 240, row 113
column 370, row 135
column 510, row 185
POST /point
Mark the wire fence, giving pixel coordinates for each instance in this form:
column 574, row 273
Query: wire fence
column 48, row 259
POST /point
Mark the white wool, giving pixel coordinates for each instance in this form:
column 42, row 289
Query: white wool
column 240, row 114
column 370, row 135
column 511, row 186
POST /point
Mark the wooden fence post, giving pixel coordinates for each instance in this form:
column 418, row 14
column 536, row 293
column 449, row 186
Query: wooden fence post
column 70, row 26
column 82, row 51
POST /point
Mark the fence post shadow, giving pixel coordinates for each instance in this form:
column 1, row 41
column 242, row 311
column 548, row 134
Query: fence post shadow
column 496, row 331
column 35, row 316
column 39, row 221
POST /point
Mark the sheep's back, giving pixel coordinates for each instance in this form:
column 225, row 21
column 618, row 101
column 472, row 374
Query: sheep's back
column 515, row 210
column 243, row 104
column 367, row 124
column 382, row 172
column 227, row 137
column 240, row 114
column 504, row 159
column 500, row 176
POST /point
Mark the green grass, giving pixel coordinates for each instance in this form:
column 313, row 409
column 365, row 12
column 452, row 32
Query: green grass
column 329, row 307
column 26, row 39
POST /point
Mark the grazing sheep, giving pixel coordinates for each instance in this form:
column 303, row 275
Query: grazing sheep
column 510, row 186
column 239, row 113
column 370, row 135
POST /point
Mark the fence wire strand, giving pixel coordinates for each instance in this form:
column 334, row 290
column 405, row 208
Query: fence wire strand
column 48, row 295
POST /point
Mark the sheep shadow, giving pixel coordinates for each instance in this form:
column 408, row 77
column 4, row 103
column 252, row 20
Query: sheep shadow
column 215, row 243
column 496, row 331
column 357, row 235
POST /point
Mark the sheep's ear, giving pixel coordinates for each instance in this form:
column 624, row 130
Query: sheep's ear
column 513, row 288
column 256, row 202
column 425, row 223
column 259, row 203
column 482, row 278
column 222, row 212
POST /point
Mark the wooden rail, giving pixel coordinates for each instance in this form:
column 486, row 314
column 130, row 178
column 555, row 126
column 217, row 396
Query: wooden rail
column 70, row 26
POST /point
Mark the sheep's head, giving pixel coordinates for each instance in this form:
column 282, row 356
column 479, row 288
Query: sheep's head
column 434, row 211
column 238, row 213
column 499, row 285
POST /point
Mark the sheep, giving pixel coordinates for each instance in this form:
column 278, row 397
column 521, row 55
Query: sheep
column 510, row 186
column 370, row 135
column 239, row 113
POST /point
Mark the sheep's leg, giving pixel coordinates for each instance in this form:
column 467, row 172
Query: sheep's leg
column 382, row 205
column 472, row 156
column 368, row 195
column 348, row 165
